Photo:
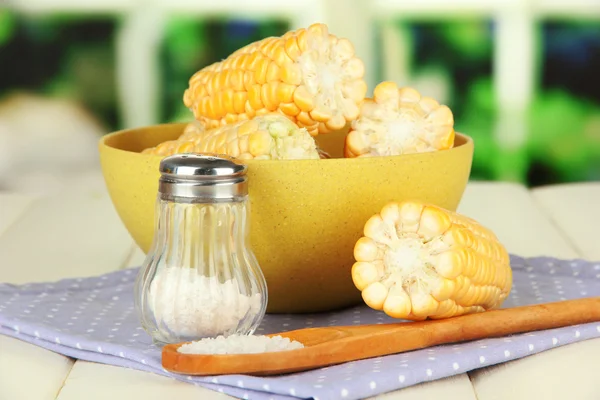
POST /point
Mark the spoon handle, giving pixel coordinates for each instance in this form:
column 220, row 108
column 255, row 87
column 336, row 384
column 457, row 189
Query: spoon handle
column 495, row 323
column 519, row 319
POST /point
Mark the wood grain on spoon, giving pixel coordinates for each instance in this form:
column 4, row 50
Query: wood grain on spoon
column 335, row 345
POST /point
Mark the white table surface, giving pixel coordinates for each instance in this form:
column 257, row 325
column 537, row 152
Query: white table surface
column 78, row 233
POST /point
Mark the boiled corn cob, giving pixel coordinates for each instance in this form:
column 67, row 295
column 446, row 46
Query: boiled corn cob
column 399, row 121
column 309, row 75
column 418, row 261
column 191, row 130
column 268, row 137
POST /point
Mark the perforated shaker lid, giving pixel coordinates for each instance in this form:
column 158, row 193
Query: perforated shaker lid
column 204, row 177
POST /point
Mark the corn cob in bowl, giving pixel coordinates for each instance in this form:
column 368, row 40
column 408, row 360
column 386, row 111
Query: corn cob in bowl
column 267, row 137
column 418, row 261
column 399, row 121
column 309, row 75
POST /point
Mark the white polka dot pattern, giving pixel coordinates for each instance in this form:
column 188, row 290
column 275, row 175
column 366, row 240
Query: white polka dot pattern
column 93, row 319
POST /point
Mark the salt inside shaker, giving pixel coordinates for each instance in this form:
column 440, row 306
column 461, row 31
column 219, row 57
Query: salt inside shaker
column 200, row 278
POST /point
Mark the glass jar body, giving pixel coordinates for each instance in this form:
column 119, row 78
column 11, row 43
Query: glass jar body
column 200, row 278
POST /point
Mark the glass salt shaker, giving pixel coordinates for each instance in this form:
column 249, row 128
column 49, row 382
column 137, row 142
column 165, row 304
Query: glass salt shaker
column 200, row 278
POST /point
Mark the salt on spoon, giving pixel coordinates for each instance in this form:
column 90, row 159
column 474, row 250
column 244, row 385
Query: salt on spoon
column 240, row 344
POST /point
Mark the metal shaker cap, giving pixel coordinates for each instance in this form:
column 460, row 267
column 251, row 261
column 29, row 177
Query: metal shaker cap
column 202, row 178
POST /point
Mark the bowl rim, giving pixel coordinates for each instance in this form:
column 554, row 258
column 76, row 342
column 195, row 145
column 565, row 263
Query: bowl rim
column 466, row 139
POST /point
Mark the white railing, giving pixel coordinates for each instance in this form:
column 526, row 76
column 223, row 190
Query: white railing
column 514, row 54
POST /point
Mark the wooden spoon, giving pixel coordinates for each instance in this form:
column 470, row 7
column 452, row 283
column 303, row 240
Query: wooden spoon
column 335, row 345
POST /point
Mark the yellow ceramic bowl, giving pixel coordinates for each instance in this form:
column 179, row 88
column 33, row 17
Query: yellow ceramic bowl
column 306, row 215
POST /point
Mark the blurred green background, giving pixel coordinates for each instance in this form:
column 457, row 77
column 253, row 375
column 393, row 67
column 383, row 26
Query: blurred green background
column 73, row 56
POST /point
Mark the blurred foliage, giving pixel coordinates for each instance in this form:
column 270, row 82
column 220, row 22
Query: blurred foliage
column 61, row 56
column 74, row 56
column 464, row 49
column 571, row 58
column 564, row 138
column 477, row 121
column 7, row 25
column 185, row 49
column 563, row 130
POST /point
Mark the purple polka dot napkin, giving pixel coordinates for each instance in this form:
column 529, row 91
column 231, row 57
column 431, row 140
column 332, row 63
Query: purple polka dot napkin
column 93, row 319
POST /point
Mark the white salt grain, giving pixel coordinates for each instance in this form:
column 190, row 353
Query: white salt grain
column 240, row 344
column 192, row 305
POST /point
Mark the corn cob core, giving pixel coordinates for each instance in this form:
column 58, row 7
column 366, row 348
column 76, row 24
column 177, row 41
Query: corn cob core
column 418, row 261
column 268, row 137
column 399, row 121
column 309, row 75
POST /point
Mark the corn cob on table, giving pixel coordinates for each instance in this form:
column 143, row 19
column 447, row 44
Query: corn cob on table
column 420, row 261
column 42, row 239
